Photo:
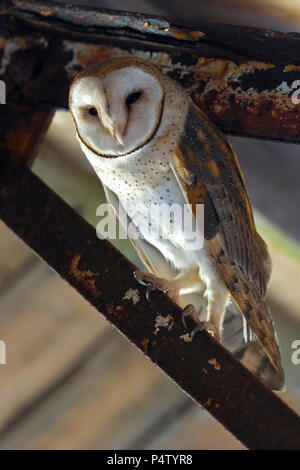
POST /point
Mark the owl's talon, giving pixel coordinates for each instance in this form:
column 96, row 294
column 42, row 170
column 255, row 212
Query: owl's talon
column 149, row 289
column 212, row 329
column 189, row 311
column 205, row 325
column 200, row 327
column 140, row 280
column 152, row 283
column 140, row 277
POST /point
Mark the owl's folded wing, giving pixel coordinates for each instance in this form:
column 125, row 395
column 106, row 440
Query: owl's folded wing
column 208, row 172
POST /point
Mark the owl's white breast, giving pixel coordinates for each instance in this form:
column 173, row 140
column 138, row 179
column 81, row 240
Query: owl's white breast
column 144, row 179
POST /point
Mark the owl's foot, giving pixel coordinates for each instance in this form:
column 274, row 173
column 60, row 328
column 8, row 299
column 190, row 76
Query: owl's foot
column 152, row 283
column 189, row 311
column 211, row 328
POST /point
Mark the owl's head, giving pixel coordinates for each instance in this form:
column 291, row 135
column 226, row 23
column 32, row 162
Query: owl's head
column 117, row 105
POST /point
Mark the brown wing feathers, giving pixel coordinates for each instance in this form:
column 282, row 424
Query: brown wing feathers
column 209, row 173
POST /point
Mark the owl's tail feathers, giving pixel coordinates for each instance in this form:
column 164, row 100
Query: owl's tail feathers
column 245, row 346
column 240, row 340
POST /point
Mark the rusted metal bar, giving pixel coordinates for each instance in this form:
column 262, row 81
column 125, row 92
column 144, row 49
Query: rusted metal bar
column 203, row 368
column 241, row 77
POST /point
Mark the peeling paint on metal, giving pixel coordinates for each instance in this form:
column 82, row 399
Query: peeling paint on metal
column 186, row 338
column 144, row 344
column 240, row 93
column 86, row 277
column 89, row 54
column 186, row 34
column 132, row 294
column 209, row 402
column 213, row 362
column 163, row 322
column 10, row 46
column 292, row 68
column 113, row 309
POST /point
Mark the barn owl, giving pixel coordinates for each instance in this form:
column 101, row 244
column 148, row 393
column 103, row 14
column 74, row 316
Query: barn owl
column 150, row 145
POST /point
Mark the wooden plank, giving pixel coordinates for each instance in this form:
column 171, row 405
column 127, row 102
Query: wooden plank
column 93, row 404
column 195, row 431
column 113, row 400
column 12, row 254
column 47, row 328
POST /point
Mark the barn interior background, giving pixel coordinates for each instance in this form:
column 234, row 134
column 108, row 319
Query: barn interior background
column 71, row 380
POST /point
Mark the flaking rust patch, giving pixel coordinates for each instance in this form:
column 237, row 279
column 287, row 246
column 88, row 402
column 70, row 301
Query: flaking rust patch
column 186, row 338
column 88, row 54
column 208, row 401
column 213, row 362
column 144, row 344
column 132, row 294
column 292, row 68
column 163, row 322
column 113, row 309
column 86, row 277
column 46, row 11
column 186, row 34
column 219, row 73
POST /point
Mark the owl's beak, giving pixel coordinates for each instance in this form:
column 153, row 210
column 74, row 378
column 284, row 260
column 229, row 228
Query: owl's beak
column 120, row 136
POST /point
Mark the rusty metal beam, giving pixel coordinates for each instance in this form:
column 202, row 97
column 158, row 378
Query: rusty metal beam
column 241, row 77
column 203, row 368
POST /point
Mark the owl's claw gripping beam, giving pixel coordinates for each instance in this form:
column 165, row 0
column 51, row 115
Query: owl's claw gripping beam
column 156, row 283
column 150, row 287
column 189, row 311
column 209, row 327
column 200, row 327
